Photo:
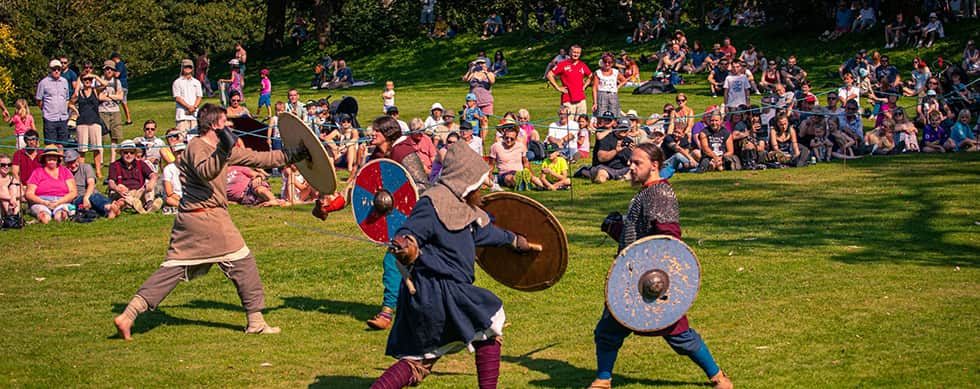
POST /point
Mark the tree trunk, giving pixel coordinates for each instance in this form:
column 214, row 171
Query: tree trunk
column 275, row 24
column 323, row 12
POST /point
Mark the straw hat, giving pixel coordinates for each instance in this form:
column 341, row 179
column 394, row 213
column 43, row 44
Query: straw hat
column 51, row 150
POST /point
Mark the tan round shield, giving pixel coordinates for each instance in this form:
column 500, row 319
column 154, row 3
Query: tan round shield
column 318, row 170
column 532, row 271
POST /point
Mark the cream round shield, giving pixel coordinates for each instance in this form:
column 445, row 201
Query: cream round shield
column 652, row 283
column 318, row 169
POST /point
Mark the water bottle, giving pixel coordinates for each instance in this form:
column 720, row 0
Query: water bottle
column 813, row 160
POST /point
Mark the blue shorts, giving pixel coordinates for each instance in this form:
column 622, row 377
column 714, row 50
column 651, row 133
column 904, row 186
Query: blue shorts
column 265, row 100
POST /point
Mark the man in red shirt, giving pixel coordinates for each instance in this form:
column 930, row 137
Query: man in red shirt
column 26, row 160
column 132, row 181
column 574, row 76
column 728, row 49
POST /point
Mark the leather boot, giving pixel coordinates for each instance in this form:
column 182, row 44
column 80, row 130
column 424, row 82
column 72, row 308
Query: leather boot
column 382, row 320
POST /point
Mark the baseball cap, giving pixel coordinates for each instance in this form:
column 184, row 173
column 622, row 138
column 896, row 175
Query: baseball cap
column 179, row 147
column 470, row 97
column 932, row 15
column 70, row 155
column 436, row 106
column 109, row 64
column 392, row 109
column 465, row 125
column 127, row 144
column 54, row 63
column 114, row 55
column 607, row 115
column 550, row 148
column 186, row 62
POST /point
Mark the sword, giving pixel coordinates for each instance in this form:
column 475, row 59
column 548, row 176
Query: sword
column 401, row 268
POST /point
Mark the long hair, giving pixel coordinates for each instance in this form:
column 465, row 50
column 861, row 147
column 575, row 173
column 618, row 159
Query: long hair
column 208, row 117
column 653, row 151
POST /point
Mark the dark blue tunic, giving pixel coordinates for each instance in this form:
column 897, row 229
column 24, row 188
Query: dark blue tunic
column 446, row 307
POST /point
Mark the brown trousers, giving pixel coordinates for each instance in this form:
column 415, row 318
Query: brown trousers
column 244, row 273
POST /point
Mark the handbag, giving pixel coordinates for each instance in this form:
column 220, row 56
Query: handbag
column 12, row 222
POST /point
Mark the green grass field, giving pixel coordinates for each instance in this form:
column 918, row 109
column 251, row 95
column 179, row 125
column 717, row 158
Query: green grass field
column 828, row 276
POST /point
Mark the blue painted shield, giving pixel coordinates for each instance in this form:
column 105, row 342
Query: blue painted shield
column 652, row 283
column 386, row 179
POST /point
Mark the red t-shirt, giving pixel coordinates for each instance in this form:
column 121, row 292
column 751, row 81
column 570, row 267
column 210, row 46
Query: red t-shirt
column 729, row 51
column 26, row 163
column 133, row 176
column 408, row 146
column 572, row 77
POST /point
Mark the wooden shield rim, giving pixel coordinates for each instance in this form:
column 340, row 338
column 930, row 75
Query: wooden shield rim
column 353, row 183
column 553, row 220
column 613, row 265
column 318, row 170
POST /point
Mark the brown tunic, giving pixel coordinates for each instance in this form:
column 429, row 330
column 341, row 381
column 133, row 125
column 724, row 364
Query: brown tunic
column 209, row 236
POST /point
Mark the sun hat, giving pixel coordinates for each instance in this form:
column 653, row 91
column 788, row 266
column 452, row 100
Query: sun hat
column 186, row 62
column 632, row 115
column 51, row 150
column 550, row 148
column 109, row 64
column 436, row 106
column 54, row 63
column 127, row 144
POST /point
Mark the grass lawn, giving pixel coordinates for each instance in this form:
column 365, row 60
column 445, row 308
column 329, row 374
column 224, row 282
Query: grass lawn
column 828, row 276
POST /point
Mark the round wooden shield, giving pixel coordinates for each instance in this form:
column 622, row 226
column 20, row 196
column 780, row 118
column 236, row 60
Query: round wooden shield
column 532, row 271
column 652, row 283
column 382, row 197
column 318, row 170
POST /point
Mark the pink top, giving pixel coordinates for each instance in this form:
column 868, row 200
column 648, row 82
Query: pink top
column 528, row 128
column 266, row 86
column 50, row 186
column 238, row 181
column 508, row 160
column 21, row 125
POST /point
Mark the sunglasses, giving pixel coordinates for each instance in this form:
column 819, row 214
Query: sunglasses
column 149, row 128
column 55, row 69
column 681, row 100
column 509, row 138
column 235, row 100
column 6, row 164
column 128, row 152
column 173, row 136
column 30, row 138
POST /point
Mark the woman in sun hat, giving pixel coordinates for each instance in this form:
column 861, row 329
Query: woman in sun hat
column 51, row 189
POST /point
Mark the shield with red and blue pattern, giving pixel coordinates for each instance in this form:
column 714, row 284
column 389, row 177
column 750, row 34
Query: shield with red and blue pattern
column 382, row 197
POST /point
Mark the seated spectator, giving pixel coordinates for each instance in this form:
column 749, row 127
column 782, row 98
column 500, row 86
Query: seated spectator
column 744, row 139
column 971, row 59
column 236, row 109
column 728, row 49
column 172, row 189
column 865, row 19
column 963, row 96
column 440, row 29
column 554, row 171
column 151, row 145
column 131, row 181
column 643, row 31
column 844, row 142
column 906, row 134
column 611, row 155
column 466, row 135
column 716, row 79
column 931, row 31
column 717, row 146
column 672, row 60
column 843, row 17
column 173, row 137
column 658, row 25
column 792, row 74
column 696, row 58
column 248, row 187
column 882, row 138
column 784, row 147
column 559, row 18
column 321, row 74
column 676, row 148
column 629, row 68
column 719, row 17
column 51, row 188
column 563, row 133
column 886, row 75
column 343, row 77
column 820, row 144
column 298, row 32
column 27, row 159
column 750, row 57
column 751, row 16
column 562, row 55
column 88, row 194
column 342, row 142
column 494, row 25
column 961, row 134
column 509, row 157
column 499, row 66
column 10, row 190
column 896, row 31
column 415, row 142
column 851, row 122
column 770, row 77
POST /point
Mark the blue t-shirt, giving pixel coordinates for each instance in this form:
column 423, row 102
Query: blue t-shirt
column 844, row 17
column 123, row 74
column 697, row 57
column 71, row 76
column 473, row 115
column 959, row 133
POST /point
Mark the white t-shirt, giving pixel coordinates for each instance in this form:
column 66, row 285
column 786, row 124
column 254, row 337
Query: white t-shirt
column 844, row 92
column 477, row 145
column 558, row 131
column 584, row 134
column 431, row 123
column 735, row 88
column 388, row 97
column 171, row 174
column 152, row 147
column 608, row 83
column 188, row 89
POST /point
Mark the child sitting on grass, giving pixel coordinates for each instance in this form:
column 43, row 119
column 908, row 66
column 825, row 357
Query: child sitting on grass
column 554, row 168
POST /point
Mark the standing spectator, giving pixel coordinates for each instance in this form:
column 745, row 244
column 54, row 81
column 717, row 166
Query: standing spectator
column 187, row 93
column 151, row 145
column 123, row 75
column 294, row 106
column 895, row 31
column 574, row 75
column 585, row 130
column 736, row 87
column 265, row 94
column 562, row 56
column 22, row 120
column 201, row 72
column 51, row 188
column 481, row 80
column 473, row 115
column 26, row 159
column 112, row 95
column 132, row 181
column 242, row 57
column 563, row 134
column 69, row 74
column 234, row 83
column 86, row 104
column 388, row 96
column 428, row 13
column 88, row 195
column 10, row 191
column 606, row 83
column 717, row 146
column 52, row 96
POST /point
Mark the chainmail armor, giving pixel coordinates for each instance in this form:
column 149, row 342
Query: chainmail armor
column 654, row 204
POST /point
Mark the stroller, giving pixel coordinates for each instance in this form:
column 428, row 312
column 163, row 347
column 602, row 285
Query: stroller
column 346, row 105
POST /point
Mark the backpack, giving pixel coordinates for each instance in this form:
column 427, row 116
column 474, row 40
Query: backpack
column 537, row 148
column 12, row 222
column 654, row 87
column 85, row 216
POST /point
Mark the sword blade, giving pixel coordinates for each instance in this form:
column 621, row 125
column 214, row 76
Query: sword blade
column 339, row 235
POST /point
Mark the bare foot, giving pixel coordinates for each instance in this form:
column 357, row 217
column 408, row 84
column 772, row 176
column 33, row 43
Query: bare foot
column 123, row 325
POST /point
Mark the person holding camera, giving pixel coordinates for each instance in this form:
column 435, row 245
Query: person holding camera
column 481, row 79
column 611, row 155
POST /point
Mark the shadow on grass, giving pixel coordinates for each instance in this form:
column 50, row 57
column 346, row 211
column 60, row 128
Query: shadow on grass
column 358, row 311
column 153, row 319
column 562, row 374
column 341, row 381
